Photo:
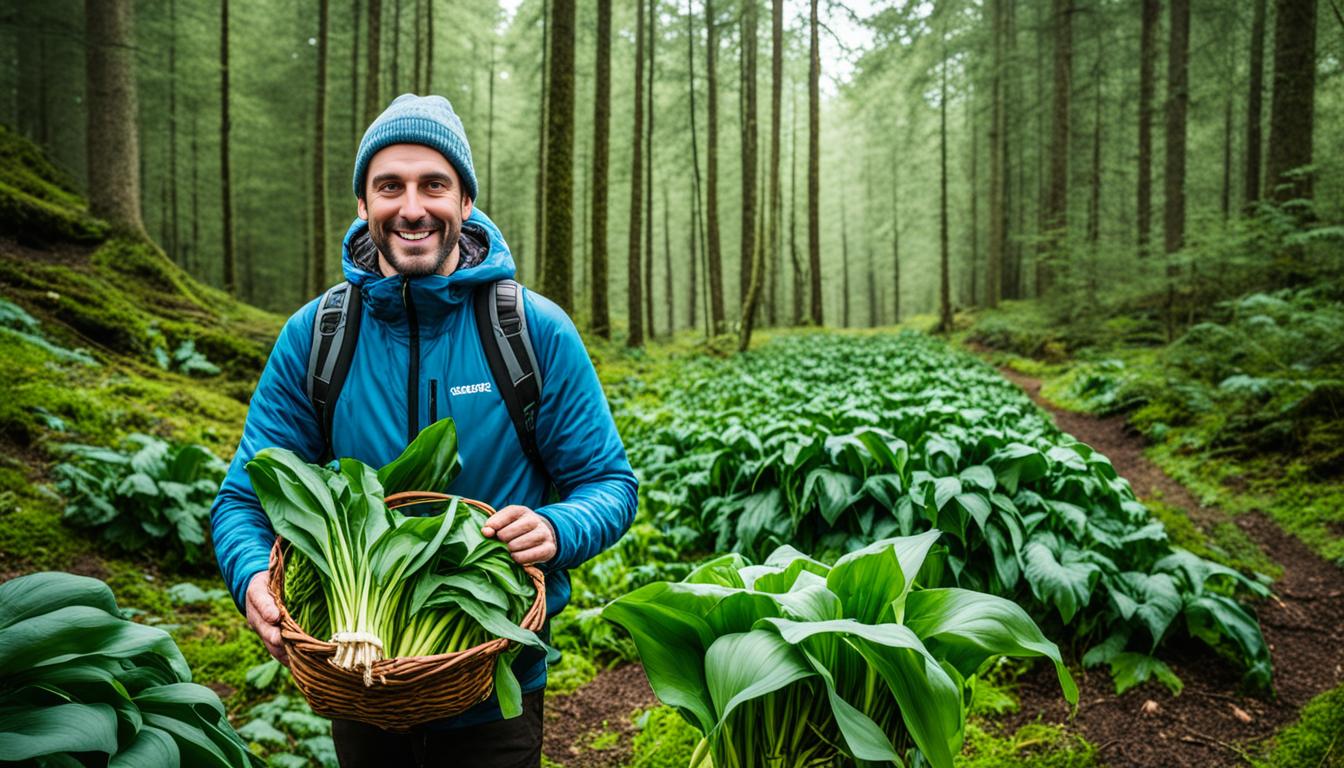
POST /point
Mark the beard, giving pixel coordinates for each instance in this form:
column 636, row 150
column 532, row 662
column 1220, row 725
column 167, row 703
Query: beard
column 412, row 260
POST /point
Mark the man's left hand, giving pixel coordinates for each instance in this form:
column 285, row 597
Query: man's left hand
column 529, row 536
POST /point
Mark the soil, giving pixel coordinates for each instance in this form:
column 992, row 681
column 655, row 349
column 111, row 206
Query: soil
column 604, row 705
column 1213, row 722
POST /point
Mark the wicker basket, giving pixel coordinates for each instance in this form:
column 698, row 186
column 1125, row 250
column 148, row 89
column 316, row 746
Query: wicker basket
column 406, row 691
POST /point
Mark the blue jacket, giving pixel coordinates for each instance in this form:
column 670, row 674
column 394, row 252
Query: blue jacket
column 576, row 435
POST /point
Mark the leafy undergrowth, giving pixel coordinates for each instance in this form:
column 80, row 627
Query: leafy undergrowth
column 1245, row 408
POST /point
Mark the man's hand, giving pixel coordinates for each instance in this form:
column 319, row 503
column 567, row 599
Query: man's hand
column 530, row 537
column 263, row 615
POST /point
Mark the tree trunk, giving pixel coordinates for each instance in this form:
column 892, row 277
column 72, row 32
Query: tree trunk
column 396, row 47
column 490, row 125
column 944, row 266
column 668, row 298
column 1292, row 106
column 1094, row 199
column 696, row 215
column 714, row 254
column 1254, row 99
column 226, row 194
column 776, row 92
column 319, row 239
column 355, row 133
column 797, row 315
column 1178, row 99
column 974, row 255
column 1227, row 157
column 1152, row 10
column 174, row 243
column 539, row 194
column 113, row 145
column 650, row 326
column 895, row 236
column 753, row 277
column 998, row 154
column 844, row 262
column 747, row 256
column 418, row 22
column 558, row 257
column 373, row 102
column 429, row 48
column 600, row 320
column 194, row 263
column 1057, row 203
column 634, row 286
column 814, row 166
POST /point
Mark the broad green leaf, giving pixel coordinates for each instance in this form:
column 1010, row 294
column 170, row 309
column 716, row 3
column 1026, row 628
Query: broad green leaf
column 29, row 732
column 429, row 463
column 77, row 630
column 1067, row 585
column 507, row 689
column 743, row 666
column 1156, row 601
column 152, row 748
column 1215, row 617
column 834, row 491
column 38, row 593
column 968, row 628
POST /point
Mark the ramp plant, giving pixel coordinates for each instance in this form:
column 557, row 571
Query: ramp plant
column 829, row 443
column 80, row 685
column 797, row 663
column 386, row 584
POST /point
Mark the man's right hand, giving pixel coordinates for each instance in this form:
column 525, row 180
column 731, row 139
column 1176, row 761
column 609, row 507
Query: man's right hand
column 263, row 615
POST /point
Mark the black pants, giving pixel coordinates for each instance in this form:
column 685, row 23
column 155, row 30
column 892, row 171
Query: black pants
column 512, row 743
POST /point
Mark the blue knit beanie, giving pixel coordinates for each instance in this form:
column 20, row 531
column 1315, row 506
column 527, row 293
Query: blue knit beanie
column 427, row 120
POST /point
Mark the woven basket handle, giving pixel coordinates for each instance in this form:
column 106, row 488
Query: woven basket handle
column 412, row 498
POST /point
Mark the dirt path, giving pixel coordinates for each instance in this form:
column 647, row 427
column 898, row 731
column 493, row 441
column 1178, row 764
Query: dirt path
column 1209, row 724
column 575, row 721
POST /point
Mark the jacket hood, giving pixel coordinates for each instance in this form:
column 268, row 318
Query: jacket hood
column 486, row 258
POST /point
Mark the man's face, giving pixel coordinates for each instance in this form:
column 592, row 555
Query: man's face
column 415, row 206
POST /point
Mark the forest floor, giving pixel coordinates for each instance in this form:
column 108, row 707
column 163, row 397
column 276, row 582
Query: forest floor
column 1213, row 722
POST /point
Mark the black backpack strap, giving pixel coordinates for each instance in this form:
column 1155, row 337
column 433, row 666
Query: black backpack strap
column 502, row 323
column 335, row 332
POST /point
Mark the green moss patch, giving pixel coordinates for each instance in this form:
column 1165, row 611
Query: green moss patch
column 1317, row 739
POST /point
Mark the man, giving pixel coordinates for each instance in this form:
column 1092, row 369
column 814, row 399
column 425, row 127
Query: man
column 416, row 253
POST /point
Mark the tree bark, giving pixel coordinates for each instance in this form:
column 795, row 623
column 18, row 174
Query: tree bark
column 895, row 236
column 697, row 216
column 634, row 286
column 539, row 194
column 1254, row 99
column 113, row 145
column 747, row 255
column 600, row 321
column 429, row 48
column 668, row 298
column 797, row 315
column 974, row 256
column 714, row 254
column 373, row 102
column 998, row 154
column 944, row 265
column 559, row 244
column 319, row 237
column 174, row 243
column 753, row 277
column 490, row 126
column 1292, row 106
column 776, row 206
column 226, row 193
column 1094, row 199
column 354, row 73
column 194, row 262
column 814, row 166
column 1152, row 10
column 1057, row 203
column 396, row 47
column 1178, row 100
column 844, row 262
column 650, row 327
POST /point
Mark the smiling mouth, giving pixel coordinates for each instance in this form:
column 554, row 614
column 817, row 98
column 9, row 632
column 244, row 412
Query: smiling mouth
column 414, row 236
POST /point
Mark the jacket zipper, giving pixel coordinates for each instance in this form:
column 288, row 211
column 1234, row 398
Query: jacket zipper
column 413, row 377
column 433, row 400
